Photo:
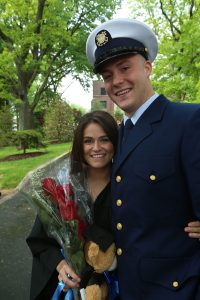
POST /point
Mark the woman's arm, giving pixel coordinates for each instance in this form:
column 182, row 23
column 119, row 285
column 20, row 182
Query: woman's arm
column 49, row 265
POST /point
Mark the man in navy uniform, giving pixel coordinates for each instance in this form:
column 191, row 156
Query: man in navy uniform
column 156, row 170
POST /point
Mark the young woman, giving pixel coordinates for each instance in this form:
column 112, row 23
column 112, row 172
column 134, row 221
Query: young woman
column 94, row 144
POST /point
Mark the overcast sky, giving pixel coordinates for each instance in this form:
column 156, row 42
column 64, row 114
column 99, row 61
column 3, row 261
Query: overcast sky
column 74, row 93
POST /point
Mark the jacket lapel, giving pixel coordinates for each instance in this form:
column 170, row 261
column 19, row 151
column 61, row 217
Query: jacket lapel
column 141, row 130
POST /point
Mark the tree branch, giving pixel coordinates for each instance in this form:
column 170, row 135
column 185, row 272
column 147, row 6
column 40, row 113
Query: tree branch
column 38, row 19
column 172, row 26
column 27, row 77
column 191, row 8
column 78, row 23
column 45, row 81
column 6, row 38
column 39, row 15
column 80, row 19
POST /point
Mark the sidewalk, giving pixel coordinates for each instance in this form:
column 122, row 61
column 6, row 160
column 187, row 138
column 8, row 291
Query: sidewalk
column 17, row 218
column 6, row 194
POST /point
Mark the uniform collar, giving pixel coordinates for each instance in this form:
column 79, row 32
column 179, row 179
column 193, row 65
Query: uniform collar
column 141, row 109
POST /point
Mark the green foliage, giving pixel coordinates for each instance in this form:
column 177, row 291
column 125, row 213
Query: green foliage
column 40, row 43
column 26, row 139
column 118, row 115
column 176, row 70
column 59, row 121
column 6, row 124
column 80, row 109
column 78, row 112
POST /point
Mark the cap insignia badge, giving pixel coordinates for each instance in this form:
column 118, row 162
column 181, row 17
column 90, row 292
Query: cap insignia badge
column 102, row 38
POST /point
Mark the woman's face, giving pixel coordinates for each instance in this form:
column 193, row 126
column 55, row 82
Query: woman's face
column 98, row 150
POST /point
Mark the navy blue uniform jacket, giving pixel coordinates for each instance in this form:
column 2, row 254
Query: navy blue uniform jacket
column 156, row 192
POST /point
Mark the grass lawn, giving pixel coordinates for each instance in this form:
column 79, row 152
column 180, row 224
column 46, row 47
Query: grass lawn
column 12, row 172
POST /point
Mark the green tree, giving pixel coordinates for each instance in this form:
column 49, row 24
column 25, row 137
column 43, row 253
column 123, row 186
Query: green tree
column 27, row 139
column 41, row 41
column 6, row 124
column 177, row 67
column 59, row 122
column 77, row 113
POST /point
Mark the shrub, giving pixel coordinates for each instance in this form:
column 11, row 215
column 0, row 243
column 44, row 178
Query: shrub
column 26, row 139
column 6, row 124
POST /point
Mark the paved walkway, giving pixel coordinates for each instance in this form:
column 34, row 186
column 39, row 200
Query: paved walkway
column 16, row 220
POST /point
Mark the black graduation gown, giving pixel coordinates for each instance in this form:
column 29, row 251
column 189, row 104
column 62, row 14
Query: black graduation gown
column 46, row 251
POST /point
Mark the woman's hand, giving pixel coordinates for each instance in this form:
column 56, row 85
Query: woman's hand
column 193, row 229
column 67, row 275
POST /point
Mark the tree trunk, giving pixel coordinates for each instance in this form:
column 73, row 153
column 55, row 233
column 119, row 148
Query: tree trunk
column 25, row 116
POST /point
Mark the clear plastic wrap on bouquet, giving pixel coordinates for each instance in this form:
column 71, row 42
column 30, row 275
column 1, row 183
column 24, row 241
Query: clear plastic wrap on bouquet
column 63, row 206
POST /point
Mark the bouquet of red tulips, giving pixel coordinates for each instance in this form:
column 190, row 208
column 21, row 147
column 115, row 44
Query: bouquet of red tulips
column 63, row 206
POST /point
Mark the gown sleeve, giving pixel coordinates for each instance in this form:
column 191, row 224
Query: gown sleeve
column 46, row 256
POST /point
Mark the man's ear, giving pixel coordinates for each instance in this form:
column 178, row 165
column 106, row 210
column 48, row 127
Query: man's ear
column 148, row 67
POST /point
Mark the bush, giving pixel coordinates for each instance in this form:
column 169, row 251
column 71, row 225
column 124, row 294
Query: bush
column 26, row 139
column 4, row 140
column 6, row 124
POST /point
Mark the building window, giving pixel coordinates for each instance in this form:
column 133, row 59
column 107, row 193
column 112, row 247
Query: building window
column 99, row 105
column 103, row 104
column 103, row 91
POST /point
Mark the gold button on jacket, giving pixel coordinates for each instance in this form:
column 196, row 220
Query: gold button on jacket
column 119, row 251
column 119, row 202
column 119, row 226
column 118, row 178
column 175, row 284
column 152, row 177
